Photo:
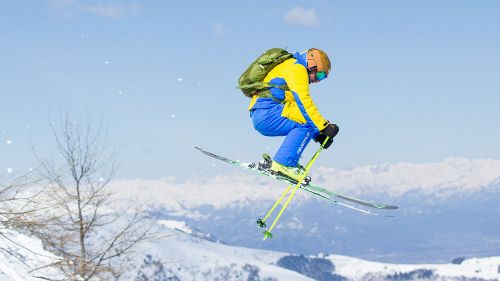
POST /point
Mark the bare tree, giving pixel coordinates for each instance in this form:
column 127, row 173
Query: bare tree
column 94, row 240
column 17, row 203
column 9, row 195
column 19, row 209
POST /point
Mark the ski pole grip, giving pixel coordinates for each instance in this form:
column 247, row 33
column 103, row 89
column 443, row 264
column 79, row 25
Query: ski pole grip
column 324, row 142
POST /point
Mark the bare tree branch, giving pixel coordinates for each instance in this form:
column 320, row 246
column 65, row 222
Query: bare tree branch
column 81, row 227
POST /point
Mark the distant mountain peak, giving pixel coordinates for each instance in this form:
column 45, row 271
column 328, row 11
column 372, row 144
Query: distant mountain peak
column 450, row 176
column 459, row 174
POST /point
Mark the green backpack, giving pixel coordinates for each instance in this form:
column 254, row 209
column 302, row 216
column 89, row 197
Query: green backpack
column 251, row 81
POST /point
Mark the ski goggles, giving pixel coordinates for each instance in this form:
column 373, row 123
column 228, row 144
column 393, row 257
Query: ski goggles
column 320, row 75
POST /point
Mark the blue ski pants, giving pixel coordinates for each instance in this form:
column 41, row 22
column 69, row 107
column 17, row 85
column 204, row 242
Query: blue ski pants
column 269, row 122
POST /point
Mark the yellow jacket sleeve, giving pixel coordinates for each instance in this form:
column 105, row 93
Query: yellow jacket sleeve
column 297, row 79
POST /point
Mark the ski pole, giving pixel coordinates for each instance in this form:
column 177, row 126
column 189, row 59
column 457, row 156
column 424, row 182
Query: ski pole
column 262, row 222
column 267, row 233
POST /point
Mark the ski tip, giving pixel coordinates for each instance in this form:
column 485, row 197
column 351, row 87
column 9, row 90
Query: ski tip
column 203, row 151
column 387, row 207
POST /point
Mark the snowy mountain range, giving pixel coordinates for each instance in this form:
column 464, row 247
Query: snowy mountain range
column 444, row 179
column 447, row 210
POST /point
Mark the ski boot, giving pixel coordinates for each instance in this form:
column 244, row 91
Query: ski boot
column 265, row 164
column 293, row 173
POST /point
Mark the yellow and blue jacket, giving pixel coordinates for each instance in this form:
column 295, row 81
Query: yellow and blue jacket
column 298, row 104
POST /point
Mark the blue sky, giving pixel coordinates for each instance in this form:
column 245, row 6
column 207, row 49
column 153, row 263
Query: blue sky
column 413, row 81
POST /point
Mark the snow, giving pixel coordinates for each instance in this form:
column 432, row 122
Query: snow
column 182, row 195
column 196, row 256
column 442, row 179
column 449, row 176
column 176, row 225
column 486, row 268
column 30, row 258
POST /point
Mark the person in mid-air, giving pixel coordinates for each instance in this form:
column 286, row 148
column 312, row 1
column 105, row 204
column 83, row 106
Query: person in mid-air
column 286, row 109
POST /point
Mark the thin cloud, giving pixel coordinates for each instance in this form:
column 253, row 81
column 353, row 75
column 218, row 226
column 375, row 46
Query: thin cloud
column 66, row 8
column 61, row 8
column 135, row 9
column 60, row 4
column 219, row 30
column 110, row 11
column 301, row 16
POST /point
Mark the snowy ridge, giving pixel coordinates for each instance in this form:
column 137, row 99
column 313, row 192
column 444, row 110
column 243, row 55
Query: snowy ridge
column 188, row 193
column 453, row 175
column 449, row 177
column 176, row 225
column 181, row 226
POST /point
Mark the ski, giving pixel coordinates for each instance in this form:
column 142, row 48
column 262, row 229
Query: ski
column 343, row 204
column 351, row 199
column 306, row 185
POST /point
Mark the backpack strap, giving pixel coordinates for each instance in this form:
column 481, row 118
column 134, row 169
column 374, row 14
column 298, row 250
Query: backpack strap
column 264, row 92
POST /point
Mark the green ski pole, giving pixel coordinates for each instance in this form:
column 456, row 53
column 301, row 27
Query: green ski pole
column 262, row 222
column 267, row 233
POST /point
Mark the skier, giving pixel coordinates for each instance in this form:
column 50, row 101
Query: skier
column 286, row 109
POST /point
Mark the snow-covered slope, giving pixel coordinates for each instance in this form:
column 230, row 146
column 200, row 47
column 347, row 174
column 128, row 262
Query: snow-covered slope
column 190, row 258
column 22, row 258
column 356, row 269
column 187, row 255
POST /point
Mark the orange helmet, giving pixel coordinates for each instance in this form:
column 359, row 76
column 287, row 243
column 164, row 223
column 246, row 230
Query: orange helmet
column 319, row 59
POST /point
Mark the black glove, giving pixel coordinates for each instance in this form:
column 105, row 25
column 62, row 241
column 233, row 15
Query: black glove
column 321, row 139
column 330, row 130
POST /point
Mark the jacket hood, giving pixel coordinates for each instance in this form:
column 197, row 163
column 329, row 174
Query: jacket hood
column 301, row 58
